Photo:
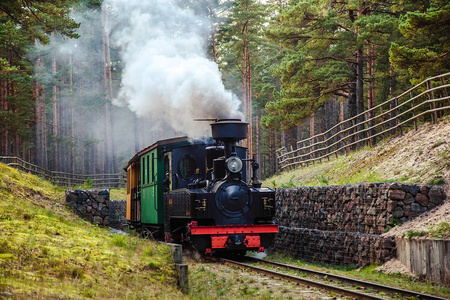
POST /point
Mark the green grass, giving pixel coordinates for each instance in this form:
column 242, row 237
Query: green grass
column 336, row 171
column 440, row 231
column 48, row 252
column 117, row 194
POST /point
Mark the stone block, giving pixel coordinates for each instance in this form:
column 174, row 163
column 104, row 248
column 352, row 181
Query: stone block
column 437, row 195
column 415, row 207
column 396, row 194
column 98, row 220
column 409, row 199
column 422, row 199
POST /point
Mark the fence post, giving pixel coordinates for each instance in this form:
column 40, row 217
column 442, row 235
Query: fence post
column 432, row 103
column 412, row 110
column 445, row 93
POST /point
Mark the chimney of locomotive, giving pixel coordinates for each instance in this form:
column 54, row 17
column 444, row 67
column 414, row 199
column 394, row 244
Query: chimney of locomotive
column 229, row 131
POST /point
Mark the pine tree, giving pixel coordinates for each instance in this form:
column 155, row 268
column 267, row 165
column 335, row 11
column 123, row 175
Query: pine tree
column 425, row 51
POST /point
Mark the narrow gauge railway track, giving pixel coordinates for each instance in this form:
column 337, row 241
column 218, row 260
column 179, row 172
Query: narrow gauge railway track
column 330, row 287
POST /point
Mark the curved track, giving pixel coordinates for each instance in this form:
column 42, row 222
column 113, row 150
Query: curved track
column 350, row 291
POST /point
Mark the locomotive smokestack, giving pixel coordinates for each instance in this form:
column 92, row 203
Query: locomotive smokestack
column 229, row 131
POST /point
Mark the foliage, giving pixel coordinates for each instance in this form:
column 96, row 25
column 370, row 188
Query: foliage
column 290, row 184
column 37, row 18
column 87, row 184
column 426, row 49
column 395, row 222
column 436, row 181
column 410, row 234
column 319, row 40
column 440, row 231
column 301, row 54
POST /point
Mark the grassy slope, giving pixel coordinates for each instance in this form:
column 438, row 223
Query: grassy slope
column 48, row 252
column 421, row 156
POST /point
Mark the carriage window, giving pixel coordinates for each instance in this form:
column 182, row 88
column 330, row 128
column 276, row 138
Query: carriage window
column 187, row 166
column 148, row 168
column 144, row 170
column 153, row 168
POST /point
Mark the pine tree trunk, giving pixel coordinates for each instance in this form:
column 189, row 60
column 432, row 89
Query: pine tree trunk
column 105, row 144
column 110, row 120
column 245, row 143
column 40, row 139
column 3, row 122
column 311, row 134
column 371, row 90
column 213, row 41
column 55, row 165
column 272, row 152
column 5, row 143
column 258, row 145
column 72, row 129
column 360, row 81
column 250, row 106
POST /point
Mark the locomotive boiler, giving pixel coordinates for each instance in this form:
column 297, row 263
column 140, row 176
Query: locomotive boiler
column 196, row 193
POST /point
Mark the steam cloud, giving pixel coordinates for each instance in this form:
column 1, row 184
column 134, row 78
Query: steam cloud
column 166, row 72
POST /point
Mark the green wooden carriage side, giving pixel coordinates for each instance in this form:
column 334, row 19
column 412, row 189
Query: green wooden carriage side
column 152, row 177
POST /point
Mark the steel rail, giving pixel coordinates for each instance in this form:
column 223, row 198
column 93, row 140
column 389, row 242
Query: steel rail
column 304, row 281
column 356, row 282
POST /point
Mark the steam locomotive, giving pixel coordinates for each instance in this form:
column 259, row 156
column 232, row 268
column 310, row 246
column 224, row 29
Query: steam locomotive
column 196, row 193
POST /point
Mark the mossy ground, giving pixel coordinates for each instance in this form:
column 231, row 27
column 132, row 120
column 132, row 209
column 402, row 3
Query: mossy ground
column 46, row 251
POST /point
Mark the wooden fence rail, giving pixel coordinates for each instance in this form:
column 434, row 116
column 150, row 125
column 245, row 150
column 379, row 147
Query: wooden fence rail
column 428, row 100
column 68, row 180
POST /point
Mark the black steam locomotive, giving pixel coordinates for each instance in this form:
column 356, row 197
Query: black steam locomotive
column 196, row 192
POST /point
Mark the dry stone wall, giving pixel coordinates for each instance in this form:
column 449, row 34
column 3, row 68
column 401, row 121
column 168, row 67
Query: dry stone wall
column 364, row 208
column 334, row 247
column 92, row 205
column 343, row 224
column 117, row 213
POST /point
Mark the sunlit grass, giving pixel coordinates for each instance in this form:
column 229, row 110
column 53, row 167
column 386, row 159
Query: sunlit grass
column 117, row 194
column 48, row 252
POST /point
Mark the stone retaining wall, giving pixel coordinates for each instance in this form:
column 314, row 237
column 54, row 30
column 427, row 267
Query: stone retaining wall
column 91, row 205
column 364, row 208
column 343, row 224
column 117, row 213
column 334, row 247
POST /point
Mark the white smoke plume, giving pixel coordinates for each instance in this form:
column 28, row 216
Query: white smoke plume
column 166, row 72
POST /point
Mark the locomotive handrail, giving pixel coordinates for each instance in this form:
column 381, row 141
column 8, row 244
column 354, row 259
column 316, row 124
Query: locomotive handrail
column 431, row 101
column 66, row 179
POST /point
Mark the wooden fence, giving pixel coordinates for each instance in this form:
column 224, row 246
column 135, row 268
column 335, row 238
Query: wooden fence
column 427, row 101
column 68, row 180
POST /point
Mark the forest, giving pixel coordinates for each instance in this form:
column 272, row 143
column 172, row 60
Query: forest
column 85, row 84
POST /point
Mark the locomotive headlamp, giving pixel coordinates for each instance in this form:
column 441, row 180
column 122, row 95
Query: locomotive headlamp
column 234, row 164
